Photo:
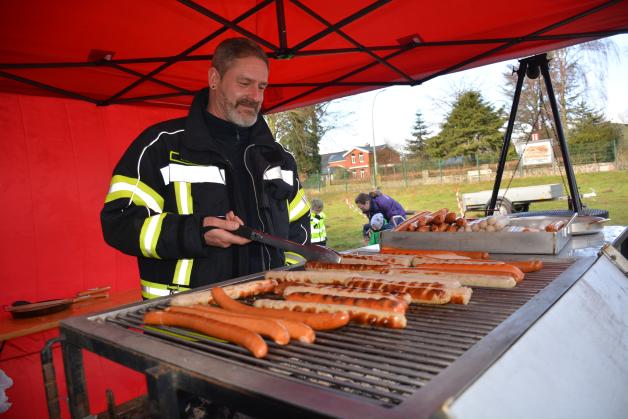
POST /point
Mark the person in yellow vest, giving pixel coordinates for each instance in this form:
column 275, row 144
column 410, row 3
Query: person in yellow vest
column 317, row 223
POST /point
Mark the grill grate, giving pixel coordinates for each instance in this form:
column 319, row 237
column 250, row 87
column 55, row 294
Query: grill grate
column 378, row 365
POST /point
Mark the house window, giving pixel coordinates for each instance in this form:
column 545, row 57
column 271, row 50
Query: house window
column 353, row 159
column 354, row 173
column 361, row 158
column 361, row 171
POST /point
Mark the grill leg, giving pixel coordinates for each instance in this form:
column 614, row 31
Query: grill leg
column 75, row 380
column 50, row 379
column 162, row 393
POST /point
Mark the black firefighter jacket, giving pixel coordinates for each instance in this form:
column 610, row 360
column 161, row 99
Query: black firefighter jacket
column 171, row 177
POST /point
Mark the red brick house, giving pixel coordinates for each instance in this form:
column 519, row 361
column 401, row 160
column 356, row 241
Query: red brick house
column 358, row 161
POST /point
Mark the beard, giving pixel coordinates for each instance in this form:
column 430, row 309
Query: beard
column 243, row 113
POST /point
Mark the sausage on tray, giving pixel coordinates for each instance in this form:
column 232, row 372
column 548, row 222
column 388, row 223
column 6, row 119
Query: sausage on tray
column 235, row 334
column 322, row 321
column 271, row 328
column 467, row 254
column 358, row 314
column 344, row 291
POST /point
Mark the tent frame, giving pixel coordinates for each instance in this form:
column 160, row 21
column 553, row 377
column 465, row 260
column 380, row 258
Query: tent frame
column 283, row 51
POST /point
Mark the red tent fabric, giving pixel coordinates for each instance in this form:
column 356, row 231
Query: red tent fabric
column 59, row 59
column 157, row 51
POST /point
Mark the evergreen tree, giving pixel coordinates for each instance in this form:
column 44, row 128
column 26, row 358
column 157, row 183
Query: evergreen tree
column 415, row 147
column 471, row 128
column 590, row 132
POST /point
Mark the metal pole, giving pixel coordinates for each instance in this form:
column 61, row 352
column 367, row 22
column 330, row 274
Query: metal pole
column 521, row 74
column 373, row 134
column 571, row 178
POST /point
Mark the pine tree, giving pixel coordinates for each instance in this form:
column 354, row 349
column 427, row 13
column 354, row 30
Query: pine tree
column 590, row 133
column 472, row 128
column 415, row 147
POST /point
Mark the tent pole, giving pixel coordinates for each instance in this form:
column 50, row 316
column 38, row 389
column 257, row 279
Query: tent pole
column 576, row 205
column 521, row 75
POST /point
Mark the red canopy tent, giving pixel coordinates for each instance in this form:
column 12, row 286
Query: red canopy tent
column 146, row 58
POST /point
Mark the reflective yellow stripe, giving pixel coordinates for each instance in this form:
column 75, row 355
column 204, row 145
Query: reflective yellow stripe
column 138, row 192
column 183, row 193
column 293, row 258
column 298, row 207
column 182, row 272
column 155, row 289
column 151, row 229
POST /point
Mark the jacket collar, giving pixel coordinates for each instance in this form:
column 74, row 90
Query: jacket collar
column 198, row 136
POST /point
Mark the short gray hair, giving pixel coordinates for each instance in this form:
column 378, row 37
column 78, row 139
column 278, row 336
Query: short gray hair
column 233, row 48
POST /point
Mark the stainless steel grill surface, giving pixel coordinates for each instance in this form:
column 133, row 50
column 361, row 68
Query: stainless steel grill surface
column 376, row 365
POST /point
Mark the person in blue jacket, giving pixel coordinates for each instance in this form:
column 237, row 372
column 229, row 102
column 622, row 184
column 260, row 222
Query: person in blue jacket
column 377, row 202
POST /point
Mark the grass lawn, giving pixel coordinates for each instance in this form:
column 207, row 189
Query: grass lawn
column 344, row 225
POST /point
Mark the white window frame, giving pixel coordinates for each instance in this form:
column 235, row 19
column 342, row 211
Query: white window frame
column 353, row 159
column 362, row 173
column 361, row 157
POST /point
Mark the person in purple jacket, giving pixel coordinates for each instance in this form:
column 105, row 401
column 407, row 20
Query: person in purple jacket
column 377, row 202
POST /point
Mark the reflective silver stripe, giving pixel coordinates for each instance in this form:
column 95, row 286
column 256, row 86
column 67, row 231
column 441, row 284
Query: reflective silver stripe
column 152, row 291
column 192, row 174
column 277, row 173
column 150, row 234
column 135, row 189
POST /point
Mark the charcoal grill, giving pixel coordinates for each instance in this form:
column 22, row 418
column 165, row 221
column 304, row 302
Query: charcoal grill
column 357, row 371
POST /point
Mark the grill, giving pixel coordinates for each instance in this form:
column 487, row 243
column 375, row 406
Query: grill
column 355, row 371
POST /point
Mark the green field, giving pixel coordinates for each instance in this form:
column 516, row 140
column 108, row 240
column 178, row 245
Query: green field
column 344, row 225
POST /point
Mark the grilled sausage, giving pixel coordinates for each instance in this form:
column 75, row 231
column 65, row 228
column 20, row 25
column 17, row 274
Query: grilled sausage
column 423, row 294
column 496, row 269
column 555, row 226
column 236, row 334
column 450, row 217
column 297, row 330
column 324, row 321
column 358, row 314
column 247, row 289
column 404, row 226
column 344, row 291
column 272, row 328
column 378, row 259
column 384, row 304
column 433, row 253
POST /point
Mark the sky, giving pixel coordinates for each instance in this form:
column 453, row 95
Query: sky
column 386, row 116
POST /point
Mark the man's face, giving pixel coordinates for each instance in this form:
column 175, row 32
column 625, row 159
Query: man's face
column 239, row 93
column 365, row 206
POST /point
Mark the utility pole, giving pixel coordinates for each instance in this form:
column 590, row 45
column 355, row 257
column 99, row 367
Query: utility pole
column 373, row 134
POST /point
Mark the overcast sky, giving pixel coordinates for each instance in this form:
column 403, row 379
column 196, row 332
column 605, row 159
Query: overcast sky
column 394, row 108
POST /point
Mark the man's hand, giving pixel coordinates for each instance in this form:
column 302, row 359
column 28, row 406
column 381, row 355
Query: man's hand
column 221, row 236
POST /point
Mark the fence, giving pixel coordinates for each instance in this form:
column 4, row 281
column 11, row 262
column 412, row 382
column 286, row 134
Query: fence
column 465, row 169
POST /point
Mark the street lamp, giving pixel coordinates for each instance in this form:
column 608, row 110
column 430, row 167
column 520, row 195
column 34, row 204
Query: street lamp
column 373, row 134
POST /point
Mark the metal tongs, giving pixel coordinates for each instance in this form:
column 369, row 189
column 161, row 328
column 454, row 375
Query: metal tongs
column 308, row 251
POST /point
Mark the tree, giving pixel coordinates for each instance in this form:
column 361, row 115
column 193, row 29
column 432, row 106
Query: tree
column 570, row 71
column 471, row 128
column 590, row 131
column 300, row 131
column 415, row 147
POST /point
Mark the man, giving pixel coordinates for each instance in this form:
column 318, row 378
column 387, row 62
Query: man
column 184, row 185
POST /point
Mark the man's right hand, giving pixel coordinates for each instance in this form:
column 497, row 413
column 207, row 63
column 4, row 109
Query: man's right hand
column 221, row 235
